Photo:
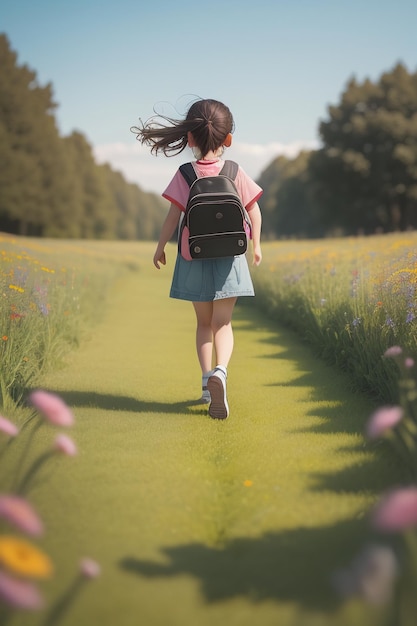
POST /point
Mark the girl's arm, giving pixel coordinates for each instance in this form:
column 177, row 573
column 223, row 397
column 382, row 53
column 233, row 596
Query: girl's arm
column 168, row 229
column 256, row 220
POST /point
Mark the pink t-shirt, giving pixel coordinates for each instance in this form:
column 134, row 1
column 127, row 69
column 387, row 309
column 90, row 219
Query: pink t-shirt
column 178, row 190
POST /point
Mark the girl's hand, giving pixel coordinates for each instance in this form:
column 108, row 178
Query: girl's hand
column 257, row 256
column 168, row 229
column 159, row 257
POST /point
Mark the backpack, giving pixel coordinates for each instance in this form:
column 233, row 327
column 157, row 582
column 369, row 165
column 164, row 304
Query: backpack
column 215, row 223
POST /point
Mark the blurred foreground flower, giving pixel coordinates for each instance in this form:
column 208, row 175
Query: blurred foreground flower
column 383, row 419
column 89, row 568
column 393, row 351
column 52, row 407
column 18, row 512
column 7, row 427
column 19, row 594
column 65, row 444
column 396, row 511
column 22, row 558
column 371, row 576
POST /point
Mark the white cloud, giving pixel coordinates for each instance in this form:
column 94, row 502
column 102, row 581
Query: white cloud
column 154, row 173
column 254, row 158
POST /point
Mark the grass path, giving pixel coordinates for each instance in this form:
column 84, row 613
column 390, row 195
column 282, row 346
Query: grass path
column 196, row 521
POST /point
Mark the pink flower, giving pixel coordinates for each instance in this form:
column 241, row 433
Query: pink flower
column 7, row 427
column 382, row 420
column 89, row 568
column 65, row 444
column 371, row 576
column 396, row 511
column 52, row 407
column 19, row 512
column 19, row 594
column 409, row 362
column 393, row 351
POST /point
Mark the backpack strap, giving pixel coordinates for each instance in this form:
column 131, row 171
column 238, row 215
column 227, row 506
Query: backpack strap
column 229, row 169
column 188, row 172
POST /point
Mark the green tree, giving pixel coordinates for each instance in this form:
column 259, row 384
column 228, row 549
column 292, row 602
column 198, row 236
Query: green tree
column 52, row 186
column 33, row 159
column 366, row 173
column 97, row 216
column 288, row 207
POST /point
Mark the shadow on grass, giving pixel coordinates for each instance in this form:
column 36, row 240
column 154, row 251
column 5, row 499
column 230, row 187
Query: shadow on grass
column 324, row 383
column 378, row 467
column 109, row 402
column 293, row 565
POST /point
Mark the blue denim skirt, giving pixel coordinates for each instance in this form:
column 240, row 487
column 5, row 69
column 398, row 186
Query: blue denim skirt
column 211, row 279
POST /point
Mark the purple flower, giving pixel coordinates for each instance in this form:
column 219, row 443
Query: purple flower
column 52, row 407
column 410, row 317
column 19, row 512
column 65, row 444
column 390, row 322
column 19, row 594
column 396, row 511
column 7, row 427
column 371, row 576
column 356, row 322
column 382, row 420
column 89, row 568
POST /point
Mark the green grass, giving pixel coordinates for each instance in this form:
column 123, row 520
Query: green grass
column 350, row 298
column 52, row 291
column 159, row 494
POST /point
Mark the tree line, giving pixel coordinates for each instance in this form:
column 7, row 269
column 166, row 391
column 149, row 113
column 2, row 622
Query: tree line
column 364, row 177
column 51, row 186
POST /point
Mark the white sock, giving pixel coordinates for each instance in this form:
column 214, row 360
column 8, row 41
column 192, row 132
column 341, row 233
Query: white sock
column 222, row 368
column 205, row 377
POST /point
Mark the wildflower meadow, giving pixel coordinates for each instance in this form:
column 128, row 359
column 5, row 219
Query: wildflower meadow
column 52, row 292
column 28, row 453
column 350, row 298
column 353, row 300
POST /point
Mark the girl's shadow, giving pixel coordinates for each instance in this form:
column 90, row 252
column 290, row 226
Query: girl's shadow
column 109, row 402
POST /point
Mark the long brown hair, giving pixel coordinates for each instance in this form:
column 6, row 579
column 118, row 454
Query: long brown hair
column 209, row 122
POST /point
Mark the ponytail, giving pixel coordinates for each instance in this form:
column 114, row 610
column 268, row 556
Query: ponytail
column 209, row 121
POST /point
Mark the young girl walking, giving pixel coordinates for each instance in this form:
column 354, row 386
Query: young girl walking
column 212, row 285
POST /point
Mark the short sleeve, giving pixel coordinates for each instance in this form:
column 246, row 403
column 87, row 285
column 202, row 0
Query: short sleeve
column 177, row 191
column 249, row 191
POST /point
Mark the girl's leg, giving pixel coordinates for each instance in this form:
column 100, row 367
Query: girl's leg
column 221, row 324
column 204, row 334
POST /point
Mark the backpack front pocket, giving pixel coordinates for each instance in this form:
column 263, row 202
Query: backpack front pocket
column 218, row 245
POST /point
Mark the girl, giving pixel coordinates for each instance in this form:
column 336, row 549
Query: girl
column 212, row 285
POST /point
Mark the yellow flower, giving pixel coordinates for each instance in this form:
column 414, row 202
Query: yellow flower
column 16, row 288
column 22, row 558
column 248, row 483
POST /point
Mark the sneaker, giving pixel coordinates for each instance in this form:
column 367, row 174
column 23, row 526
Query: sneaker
column 205, row 394
column 219, row 409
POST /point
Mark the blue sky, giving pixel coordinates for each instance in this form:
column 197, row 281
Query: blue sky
column 277, row 64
